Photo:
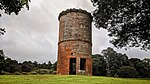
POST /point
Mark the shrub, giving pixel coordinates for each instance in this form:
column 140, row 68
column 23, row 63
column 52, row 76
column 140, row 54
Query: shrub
column 33, row 72
column 26, row 68
column 43, row 71
column 50, row 71
column 6, row 73
column 54, row 72
column 16, row 73
column 25, row 73
column 127, row 72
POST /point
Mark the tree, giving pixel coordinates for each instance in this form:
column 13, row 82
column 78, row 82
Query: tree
column 11, row 66
column 12, row 6
column 147, row 60
column 134, row 61
column 49, row 65
column 99, row 65
column 35, row 63
column 27, row 66
column 114, row 60
column 54, row 66
column 2, row 31
column 127, row 72
column 1, row 61
column 143, row 69
column 44, row 66
column 127, row 21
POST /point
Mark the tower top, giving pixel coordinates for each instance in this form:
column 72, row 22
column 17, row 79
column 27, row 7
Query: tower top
column 74, row 10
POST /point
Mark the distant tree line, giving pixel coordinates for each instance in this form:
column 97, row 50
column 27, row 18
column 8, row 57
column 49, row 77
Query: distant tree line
column 111, row 63
column 108, row 63
column 9, row 66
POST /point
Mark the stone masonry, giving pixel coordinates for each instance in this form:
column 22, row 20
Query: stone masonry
column 75, row 42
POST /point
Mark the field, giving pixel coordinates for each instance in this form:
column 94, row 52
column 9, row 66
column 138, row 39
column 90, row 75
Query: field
column 65, row 79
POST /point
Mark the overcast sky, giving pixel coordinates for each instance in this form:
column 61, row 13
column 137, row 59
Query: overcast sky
column 33, row 34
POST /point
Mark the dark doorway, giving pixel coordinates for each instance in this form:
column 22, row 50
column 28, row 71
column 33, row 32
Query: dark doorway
column 82, row 64
column 72, row 66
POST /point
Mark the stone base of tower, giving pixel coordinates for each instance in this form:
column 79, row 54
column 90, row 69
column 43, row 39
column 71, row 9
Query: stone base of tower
column 76, row 66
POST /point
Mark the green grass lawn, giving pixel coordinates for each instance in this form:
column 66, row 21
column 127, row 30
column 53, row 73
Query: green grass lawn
column 67, row 79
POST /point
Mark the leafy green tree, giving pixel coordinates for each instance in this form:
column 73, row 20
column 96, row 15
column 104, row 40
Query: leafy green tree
column 98, row 65
column 11, row 66
column 27, row 66
column 1, row 61
column 108, row 54
column 143, row 69
column 35, row 63
column 49, row 65
column 134, row 61
column 147, row 60
column 7, row 65
column 114, row 60
column 12, row 6
column 44, row 66
column 54, row 66
column 2, row 31
column 127, row 72
column 127, row 21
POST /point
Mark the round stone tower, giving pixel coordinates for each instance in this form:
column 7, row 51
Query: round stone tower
column 75, row 42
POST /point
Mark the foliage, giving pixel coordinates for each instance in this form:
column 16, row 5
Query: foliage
column 2, row 31
column 49, row 65
column 107, row 63
column 99, row 65
column 16, row 73
column 54, row 66
column 127, row 72
column 43, row 71
column 147, row 60
column 134, row 61
column 127, row 21
column 114, row 60
column 110, row 63
column 1, row 61
column 11, row 66
column 143, row 69
column 26, row 68
column 12, row 6
column 54, row 72
column 6, row 73
column 25, row 73
column 33, row 72
column 67, row 79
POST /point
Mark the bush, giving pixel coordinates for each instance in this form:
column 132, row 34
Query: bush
column 25, row 73
column 6, row 73
column 127, row 72
column 54, row 72
column 33, row 73
column 43, row 71
column 50, row 71
column 16, row 73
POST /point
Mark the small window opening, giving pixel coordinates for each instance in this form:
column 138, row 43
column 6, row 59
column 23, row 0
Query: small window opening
column 82, row 64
